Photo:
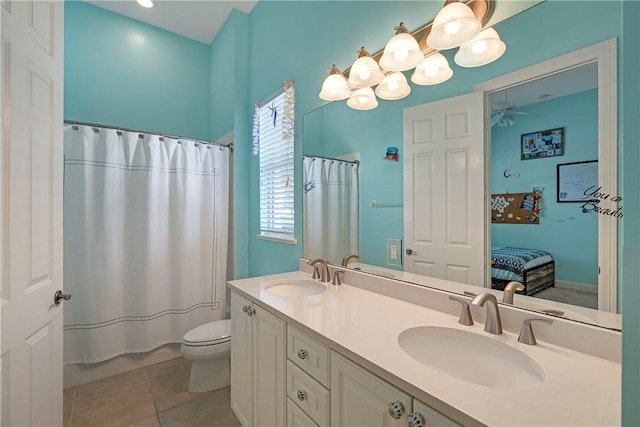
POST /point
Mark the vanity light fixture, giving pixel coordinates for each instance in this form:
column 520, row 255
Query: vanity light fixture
column 363, row 99
column 335, row 86
column 434, row 69
column 402, row 51
column 146, row 3
column 458, row 23
column 454, row 25
column 394, row 86
column 365, row 72
column 486, row 47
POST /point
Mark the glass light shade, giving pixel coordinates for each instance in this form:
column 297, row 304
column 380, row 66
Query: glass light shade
column 432, row 70
column 363, row 99
column 146, row 3
column 365, row 72
column 335, row 86
column 486, row 47
column 454, row 25
column 393, row 86
column 401, row 53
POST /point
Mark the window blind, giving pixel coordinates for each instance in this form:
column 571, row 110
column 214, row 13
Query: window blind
column 276, row 173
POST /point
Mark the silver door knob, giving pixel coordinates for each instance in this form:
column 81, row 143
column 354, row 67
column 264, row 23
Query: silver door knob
column 59, row 296
column 302, row 353
column 410, row 251
column 302, row 395
column 415, row 419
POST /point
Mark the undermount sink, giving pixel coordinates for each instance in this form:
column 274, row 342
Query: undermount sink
column 294, row 287
column 471, row 357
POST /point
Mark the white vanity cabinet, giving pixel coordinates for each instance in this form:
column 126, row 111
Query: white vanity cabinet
column 359, row 398
column 257, row 364
column 307, row 379
column 424, row 415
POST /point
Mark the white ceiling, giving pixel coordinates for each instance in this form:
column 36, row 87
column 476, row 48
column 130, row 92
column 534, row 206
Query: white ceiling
column 551, row 87
column 198, row 20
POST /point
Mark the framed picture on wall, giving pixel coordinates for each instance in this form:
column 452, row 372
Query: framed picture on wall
column 574, row 179
column 543, row 143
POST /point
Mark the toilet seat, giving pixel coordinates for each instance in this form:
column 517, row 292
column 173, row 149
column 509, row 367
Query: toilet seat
column 213, row 333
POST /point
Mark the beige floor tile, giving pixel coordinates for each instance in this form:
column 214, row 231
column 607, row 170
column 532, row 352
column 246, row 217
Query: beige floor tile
column 151, row 421
column 179, row 365
column 67, row 412
column 121, row 407
column 110, row 384
column 170, row 391
column 211, row 410
column 68, row 394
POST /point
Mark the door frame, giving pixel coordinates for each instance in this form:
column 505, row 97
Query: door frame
column 604, row 54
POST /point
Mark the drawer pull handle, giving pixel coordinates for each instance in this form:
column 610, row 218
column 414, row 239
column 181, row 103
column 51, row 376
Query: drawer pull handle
column 302, row 395
column 245, row 308
column 396, row 409
column 415, row 419
column 302, row 353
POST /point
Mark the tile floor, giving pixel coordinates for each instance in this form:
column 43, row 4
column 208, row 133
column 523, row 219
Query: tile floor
column 148, row 397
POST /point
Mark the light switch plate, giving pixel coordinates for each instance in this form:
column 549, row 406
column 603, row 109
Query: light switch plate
column 394, row 252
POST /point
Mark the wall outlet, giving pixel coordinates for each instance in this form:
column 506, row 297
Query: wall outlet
column 394, row 252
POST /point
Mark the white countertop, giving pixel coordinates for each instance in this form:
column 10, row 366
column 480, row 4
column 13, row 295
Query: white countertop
column 579, row 389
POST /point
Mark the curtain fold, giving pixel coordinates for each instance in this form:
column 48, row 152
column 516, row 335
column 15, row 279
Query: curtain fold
column 331, row 224
column 145, row 238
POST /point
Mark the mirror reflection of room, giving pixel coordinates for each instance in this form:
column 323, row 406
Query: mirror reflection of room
column 551, row 247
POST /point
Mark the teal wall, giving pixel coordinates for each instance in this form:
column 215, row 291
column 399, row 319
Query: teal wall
column 629, row 90
column 576, row 251
column 231, row 110
column 121, row 72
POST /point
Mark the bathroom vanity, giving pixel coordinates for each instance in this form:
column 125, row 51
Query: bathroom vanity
column 307, row 353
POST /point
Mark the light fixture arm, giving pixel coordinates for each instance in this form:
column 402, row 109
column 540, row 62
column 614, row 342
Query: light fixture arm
column 482, row 9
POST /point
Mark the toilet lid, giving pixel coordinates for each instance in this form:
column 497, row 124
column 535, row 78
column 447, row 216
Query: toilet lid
column 209, row 333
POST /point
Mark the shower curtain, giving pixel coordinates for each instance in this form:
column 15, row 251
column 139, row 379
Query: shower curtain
column 331, row 225
column 145, row 240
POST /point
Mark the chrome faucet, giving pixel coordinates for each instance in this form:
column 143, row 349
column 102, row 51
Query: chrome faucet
column 348, row 258
column 325, row 276
column 509, row 290
column 492, row 324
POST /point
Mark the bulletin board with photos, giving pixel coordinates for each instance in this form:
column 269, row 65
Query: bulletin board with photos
column 514, row 208
column 542, row 144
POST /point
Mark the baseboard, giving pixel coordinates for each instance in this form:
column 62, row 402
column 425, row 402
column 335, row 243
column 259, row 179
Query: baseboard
column 81, row 373
column 576, row 286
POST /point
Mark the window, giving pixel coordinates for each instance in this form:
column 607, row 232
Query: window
column 275, row 137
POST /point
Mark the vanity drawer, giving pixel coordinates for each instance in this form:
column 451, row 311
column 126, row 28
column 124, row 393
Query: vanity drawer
column 296, row 416
column 309, row 354
column 308, row 394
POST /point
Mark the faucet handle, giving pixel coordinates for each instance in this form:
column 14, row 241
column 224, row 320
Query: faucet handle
column 526, row 332
column 470, row 294
column 465, row 314
column 336, row 277
column 316, row 272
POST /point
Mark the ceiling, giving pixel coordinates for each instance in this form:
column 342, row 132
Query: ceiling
column 196, row 19
column 550, row 87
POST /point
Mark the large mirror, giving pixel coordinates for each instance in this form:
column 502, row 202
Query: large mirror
column 543, row 130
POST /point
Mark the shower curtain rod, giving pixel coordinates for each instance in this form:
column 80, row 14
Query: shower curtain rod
column 200, row 141
column 357, row 162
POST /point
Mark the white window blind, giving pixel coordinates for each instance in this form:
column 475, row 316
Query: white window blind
column 276, row 174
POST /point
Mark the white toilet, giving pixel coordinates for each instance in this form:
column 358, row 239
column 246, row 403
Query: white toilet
column 208, row 347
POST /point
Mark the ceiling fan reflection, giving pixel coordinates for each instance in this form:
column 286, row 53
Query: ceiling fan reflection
column 504, row 113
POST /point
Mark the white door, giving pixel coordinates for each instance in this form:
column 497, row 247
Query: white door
column 444, row 186
column 31, row 214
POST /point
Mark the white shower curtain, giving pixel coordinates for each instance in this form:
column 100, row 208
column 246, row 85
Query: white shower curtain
column 145, row 240
column 331, row 225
